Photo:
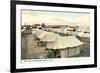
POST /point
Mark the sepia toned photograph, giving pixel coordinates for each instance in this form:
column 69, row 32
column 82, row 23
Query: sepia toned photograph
column 54, row 34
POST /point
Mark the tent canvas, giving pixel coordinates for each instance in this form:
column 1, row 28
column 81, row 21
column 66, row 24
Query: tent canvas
column 49, row 37
column 39, row 33
column 64, row 42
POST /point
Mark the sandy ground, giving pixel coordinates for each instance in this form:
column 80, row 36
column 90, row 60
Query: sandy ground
column 30, row 48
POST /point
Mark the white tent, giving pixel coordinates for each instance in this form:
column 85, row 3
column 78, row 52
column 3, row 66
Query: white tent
column 81, row 34
column 66, row 42
column 85, row 35
column 59, row 30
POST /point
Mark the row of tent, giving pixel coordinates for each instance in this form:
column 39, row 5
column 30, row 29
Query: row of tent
column 55, row 41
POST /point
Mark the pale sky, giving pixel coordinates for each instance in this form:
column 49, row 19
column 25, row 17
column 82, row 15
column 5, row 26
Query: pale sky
column 55, row 18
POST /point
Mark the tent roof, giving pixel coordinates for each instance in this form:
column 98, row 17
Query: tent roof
column 64, row 42
column 49, row 37
column 39, row 33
